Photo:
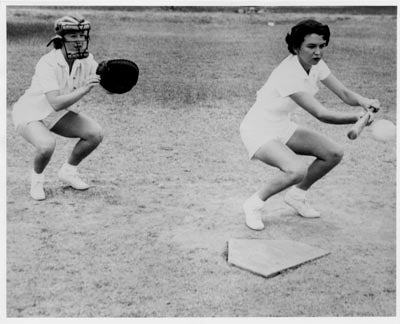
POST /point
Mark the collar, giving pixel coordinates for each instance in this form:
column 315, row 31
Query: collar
column 300, row 69
column 60, row 60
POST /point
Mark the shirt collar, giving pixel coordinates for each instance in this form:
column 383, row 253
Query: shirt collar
column 300, row 68
column 60, row 58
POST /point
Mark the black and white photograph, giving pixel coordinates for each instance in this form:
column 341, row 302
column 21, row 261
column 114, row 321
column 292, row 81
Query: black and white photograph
column 199, row 161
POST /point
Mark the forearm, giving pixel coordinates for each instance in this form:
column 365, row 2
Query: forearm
column 315, row 108
column 66, row 100
column 352, row 99
column 338, row 118
column 348, row 96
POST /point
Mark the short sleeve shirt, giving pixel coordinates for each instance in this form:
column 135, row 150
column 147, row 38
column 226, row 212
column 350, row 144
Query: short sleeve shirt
column 52, row 73
column 273, row 99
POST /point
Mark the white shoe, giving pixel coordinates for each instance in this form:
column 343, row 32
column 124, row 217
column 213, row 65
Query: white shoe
column 253, row 215
column 69, row 175
column 37, row 191
column 301, row 205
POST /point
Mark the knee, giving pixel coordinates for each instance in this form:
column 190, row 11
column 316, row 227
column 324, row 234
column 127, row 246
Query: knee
column 95, row 135
column 296, row 173
column 335, row 156
column 46, row 147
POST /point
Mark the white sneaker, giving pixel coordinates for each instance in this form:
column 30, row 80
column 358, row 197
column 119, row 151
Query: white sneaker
column 37, row 191
column 69, row 175
column 300, row 204
column 253, row 215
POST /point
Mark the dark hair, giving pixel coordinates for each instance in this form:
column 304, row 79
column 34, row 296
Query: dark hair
column 295, row 38
column 57, row 43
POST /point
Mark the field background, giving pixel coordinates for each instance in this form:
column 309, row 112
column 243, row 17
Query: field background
column 150, row 238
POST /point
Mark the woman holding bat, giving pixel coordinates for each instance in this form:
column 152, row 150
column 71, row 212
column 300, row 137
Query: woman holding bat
column 62, row 77
column 272, row 138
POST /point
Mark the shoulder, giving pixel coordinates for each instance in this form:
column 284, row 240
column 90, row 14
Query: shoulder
column 289, row 68
column 47, row 57
column 89, row 58
column 90, row 61
column 50, row 58
column 322, row 69
column 322, row 64
column 286, row 64
column 47, row 60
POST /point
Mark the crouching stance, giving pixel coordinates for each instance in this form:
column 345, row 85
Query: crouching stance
column 271, row 137
column 62, row 77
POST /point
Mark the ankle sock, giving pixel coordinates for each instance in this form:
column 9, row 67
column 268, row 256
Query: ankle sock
column 69, row 167
column 37, row 175
column 297, row 192
column 255, row 201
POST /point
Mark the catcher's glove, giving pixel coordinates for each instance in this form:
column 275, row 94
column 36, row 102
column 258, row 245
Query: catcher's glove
column 118, row 75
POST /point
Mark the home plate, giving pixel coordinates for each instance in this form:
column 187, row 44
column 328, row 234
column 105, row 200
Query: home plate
column 270, row 257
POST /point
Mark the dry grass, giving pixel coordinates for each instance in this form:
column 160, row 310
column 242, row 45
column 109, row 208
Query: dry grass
column 149, row 239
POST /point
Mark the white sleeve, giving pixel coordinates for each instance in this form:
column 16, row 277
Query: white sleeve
column 287, row 85
column 47, row 76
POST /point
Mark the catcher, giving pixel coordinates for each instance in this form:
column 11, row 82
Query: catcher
column 62, row 77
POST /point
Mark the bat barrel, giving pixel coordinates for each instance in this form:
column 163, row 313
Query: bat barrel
column 357, row 128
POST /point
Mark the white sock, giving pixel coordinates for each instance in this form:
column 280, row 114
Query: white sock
column 255, row 201
column 300, row 193
column 69, row 167
column 37, row 175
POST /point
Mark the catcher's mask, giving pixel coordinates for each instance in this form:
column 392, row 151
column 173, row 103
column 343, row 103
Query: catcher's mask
column 73, row 34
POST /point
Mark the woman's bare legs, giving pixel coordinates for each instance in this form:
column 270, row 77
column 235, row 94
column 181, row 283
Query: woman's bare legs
column 276, row 154
column 90, row 135
column 88, row 131
column 293, row 171
column 328, row 154
column 44, row 142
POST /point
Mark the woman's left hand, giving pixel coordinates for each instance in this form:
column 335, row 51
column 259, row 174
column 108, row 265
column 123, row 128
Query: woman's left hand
column 362, row 113
column 371, row 105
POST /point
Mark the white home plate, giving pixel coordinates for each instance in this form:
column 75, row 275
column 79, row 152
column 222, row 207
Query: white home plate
column 270, row 257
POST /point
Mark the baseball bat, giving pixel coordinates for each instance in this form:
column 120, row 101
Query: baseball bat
column 357, row 128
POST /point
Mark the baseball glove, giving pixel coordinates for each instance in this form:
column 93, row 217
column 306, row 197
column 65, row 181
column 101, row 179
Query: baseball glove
column 118, row 75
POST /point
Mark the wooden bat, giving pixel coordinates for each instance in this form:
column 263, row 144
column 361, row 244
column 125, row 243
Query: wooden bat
column 357, row 128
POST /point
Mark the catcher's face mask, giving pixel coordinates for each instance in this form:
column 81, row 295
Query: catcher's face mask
column 76, row 45
column 74, row 35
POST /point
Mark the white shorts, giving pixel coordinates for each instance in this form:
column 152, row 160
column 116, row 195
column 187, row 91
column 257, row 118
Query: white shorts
column 20, row 120
column 255, row 137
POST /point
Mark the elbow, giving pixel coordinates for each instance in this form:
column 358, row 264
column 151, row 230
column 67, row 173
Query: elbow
column 322, row 116
column 328, row 118
column 348, row 97
column 55, row 107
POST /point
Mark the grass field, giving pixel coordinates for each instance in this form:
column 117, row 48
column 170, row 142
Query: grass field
column 149, row 239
